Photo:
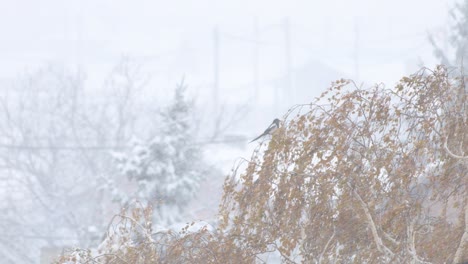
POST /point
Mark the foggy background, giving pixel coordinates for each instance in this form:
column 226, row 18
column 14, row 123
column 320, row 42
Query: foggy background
column 244, row 63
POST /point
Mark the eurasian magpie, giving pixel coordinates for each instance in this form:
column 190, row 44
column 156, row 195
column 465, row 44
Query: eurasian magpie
column 275, row 125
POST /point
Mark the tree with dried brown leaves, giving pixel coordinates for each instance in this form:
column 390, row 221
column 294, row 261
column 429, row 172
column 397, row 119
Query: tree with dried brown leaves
column 360, row 176
column 374, row 176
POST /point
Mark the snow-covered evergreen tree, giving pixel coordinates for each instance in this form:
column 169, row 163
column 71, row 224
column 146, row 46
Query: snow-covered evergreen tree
column 167, row 169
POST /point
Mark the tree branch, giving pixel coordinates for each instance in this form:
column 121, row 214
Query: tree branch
column 463, row 246
column 378, row 241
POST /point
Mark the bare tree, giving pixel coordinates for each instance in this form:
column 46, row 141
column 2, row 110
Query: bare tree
column 453, row 50
column 56, row 136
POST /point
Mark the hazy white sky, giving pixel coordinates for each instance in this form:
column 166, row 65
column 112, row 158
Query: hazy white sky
column 380, row 39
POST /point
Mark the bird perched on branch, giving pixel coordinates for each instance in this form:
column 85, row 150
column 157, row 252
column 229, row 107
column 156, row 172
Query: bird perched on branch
column 275, row 125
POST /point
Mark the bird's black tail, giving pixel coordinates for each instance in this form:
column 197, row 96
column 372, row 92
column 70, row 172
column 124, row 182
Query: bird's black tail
column 256, row 138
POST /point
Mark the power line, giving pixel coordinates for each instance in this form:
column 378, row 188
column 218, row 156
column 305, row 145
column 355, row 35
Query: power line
column 29, row 147
column 103, row 148
column 247, row 39
column 47, row 237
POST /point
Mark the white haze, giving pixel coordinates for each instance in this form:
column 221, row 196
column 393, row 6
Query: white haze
column 271, row 55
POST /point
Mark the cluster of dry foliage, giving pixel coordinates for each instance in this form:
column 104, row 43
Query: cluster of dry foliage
column 361, row 176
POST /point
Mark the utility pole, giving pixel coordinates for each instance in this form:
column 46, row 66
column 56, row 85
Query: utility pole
column 256, row 59
column 76, row 16
column 356, row 50
column 216, row 68
column 288, row 60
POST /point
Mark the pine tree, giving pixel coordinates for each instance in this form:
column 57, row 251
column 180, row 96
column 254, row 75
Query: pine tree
column 167, row 169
